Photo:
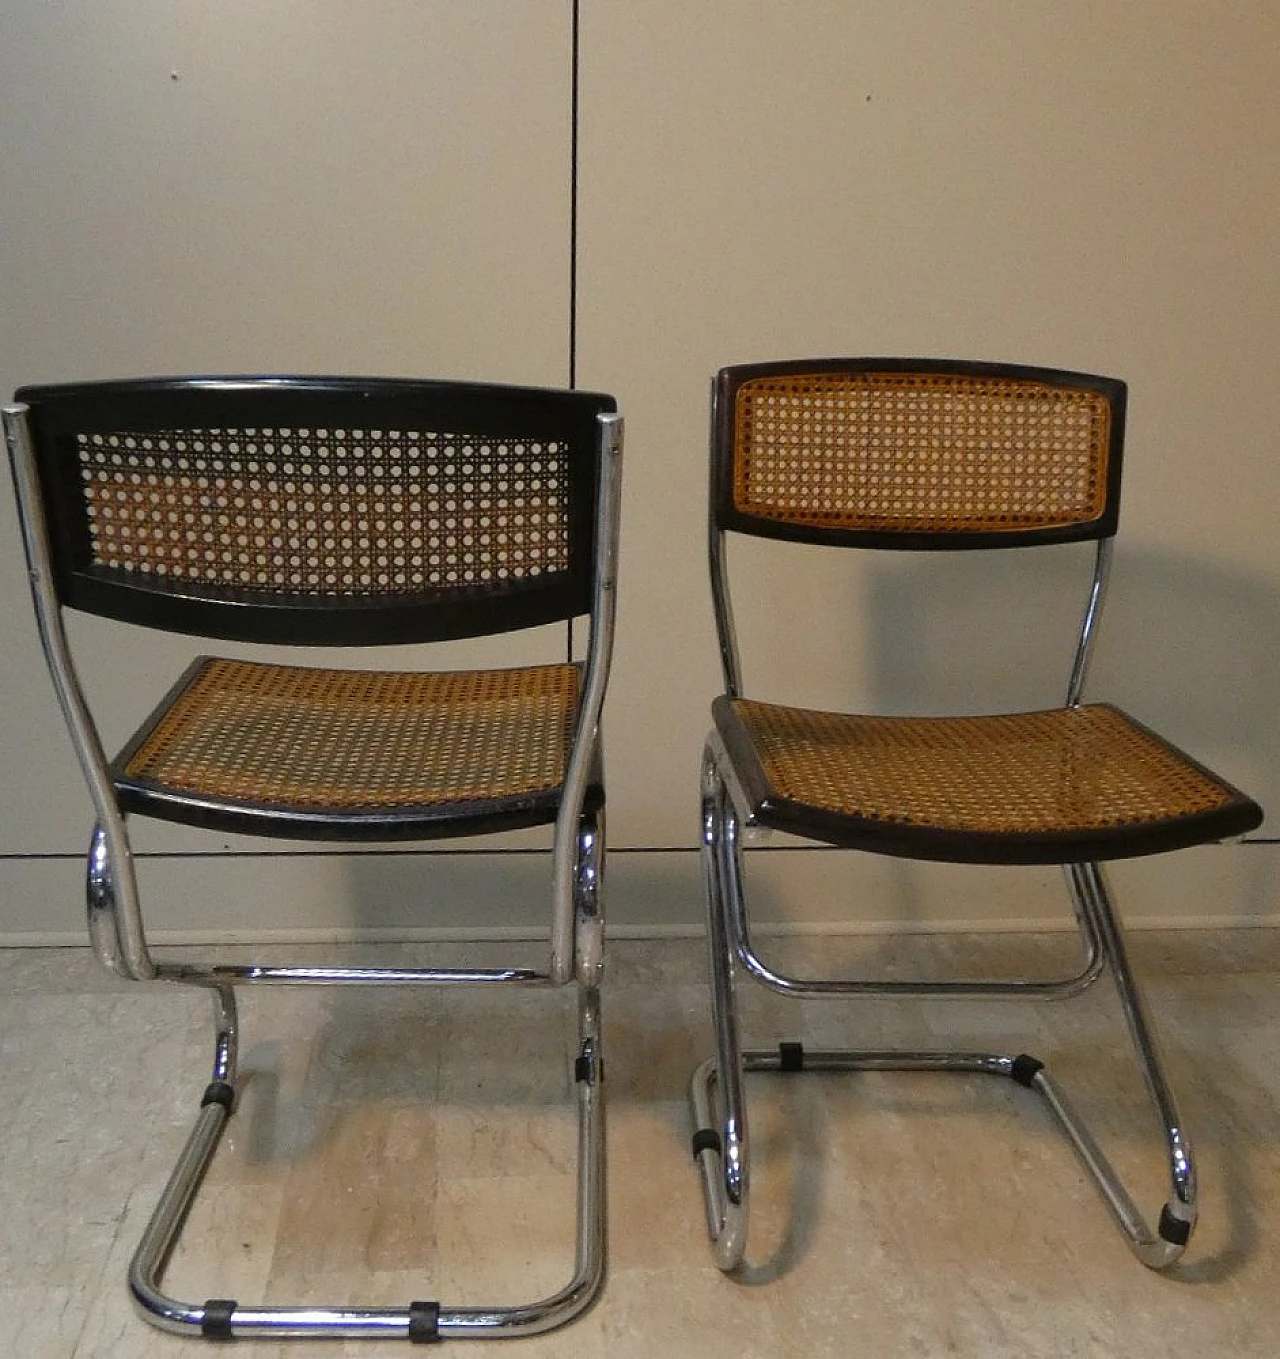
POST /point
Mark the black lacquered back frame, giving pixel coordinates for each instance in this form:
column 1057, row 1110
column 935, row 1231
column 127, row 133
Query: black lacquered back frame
column 989, row 391
column 372, row 475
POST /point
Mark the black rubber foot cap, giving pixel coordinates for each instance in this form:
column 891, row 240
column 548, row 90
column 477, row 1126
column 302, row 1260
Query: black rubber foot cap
column 705, row 1139
column 219, row 1092
column 790, row 1056
column 1173, row 1229
column 1024, row 1069
column 424, row 1323
column 216, row 1324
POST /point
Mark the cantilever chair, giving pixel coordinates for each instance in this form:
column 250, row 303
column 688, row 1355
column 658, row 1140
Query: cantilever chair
column 338, row 512
column 915, row 454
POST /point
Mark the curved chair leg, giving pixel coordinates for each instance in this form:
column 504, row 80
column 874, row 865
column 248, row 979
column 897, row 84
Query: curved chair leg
column 419, row 1322
column 720, row 1140
column 1178, row 1215
column 717, row 1095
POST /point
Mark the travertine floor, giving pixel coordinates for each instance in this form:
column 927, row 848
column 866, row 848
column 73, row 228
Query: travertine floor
column 419, row 1144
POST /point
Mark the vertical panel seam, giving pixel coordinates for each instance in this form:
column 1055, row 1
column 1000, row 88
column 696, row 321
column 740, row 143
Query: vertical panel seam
column 573, row 232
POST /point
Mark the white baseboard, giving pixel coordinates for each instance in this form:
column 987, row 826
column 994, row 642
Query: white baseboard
column 374, row 898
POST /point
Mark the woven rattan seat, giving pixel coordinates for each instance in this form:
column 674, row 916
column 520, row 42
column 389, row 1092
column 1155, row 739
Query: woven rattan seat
column 286, row 512
column 931, row 456
column 1064, row 784
column 415, row 748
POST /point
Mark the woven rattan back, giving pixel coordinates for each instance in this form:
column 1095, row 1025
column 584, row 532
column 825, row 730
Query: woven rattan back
column 916, row 453
column 320, row 510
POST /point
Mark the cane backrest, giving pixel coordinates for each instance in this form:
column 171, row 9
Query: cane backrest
column 907, row 453
column 320, row 510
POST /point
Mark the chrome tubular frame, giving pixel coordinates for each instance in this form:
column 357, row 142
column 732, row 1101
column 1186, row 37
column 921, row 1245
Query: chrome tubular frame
column 587, row 734
column 118, row 936
column 128, row 953
column 225, row 1320
column 100, row 899
column 720, row 1144
column 1089, row 624
column 722, row 601
column 589, row 896
column 716, row 1092
column 729, row 856
column 424, row 1321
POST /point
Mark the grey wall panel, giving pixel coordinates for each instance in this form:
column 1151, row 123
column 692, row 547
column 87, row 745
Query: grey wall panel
column 1082, row 185
column 292, row 186
column 386, row 187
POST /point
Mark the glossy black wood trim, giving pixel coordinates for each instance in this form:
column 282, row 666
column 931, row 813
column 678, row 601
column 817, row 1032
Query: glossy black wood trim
column 61, row 412
column 1239, row 815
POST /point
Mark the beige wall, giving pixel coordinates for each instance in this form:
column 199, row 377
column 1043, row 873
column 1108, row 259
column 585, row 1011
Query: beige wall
column 386, row 188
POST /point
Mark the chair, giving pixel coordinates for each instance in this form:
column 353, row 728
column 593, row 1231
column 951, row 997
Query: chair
column 337, row 512
column 932, row 455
